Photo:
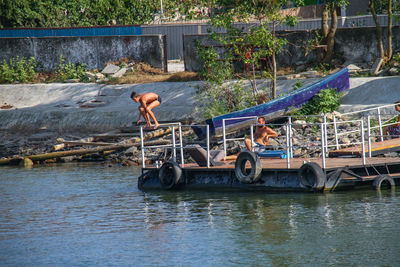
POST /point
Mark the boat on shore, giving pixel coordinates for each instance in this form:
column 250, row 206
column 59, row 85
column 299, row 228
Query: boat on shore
column 243, row 118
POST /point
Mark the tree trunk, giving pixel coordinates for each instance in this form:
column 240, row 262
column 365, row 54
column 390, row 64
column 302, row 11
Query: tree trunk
column 273, row 67
column 324, row 32
column 255, row 89
column 390, row 17
column 371, row 5
column 330, row 38
column 324, row 21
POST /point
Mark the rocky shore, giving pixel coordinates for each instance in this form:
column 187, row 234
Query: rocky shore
column 123, row 147
column 36, row 117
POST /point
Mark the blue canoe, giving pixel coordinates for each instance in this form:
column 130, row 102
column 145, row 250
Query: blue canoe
column 295, row 99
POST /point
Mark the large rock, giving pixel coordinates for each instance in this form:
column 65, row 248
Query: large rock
column 119, row 73
column 110, row 69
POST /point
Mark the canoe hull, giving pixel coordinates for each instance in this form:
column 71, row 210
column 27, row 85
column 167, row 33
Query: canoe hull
column 294, row 100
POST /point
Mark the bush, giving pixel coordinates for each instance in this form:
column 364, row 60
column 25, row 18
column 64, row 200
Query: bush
column 396, row 57
column 327, row 100
column 221, row 99
column 324, row 68
column 67, row 71
column 17, row 69
column 297, row 85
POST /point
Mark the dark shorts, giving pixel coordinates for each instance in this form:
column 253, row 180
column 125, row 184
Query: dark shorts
column 159, row 99
column 394, row 130
column 257, row 147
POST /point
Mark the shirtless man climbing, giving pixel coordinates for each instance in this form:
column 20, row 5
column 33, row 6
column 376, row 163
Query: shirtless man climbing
column 147, row 101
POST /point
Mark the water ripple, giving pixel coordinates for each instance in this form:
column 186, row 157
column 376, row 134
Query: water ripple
column 84, row 215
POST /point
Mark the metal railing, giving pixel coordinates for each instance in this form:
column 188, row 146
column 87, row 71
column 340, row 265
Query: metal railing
column 337, row 145
column 174, row 146
column 326, row 140
column 224, row 139
column 380, row 123
column 378, row 111
column 288, row 137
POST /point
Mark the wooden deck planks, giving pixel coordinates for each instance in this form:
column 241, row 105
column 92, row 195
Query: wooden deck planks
column 375, row 148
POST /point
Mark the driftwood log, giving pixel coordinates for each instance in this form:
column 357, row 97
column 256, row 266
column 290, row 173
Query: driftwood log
column 122, row 145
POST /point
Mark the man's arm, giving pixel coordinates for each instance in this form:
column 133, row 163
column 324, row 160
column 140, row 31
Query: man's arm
column 143, row 103
column 271, row 133
column 139, row 120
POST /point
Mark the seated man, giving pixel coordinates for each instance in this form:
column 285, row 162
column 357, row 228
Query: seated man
column 261, row 137
column 393, row 130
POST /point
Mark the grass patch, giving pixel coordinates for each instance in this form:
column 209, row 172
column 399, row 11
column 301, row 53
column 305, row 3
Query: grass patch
column 148, row 77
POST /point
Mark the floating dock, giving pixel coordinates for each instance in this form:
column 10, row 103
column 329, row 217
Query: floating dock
column 350, row 165
column 304, row 175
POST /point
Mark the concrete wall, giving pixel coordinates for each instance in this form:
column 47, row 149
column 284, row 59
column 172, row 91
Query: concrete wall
column 93, row 51
column 352, row 45
column 357, row 7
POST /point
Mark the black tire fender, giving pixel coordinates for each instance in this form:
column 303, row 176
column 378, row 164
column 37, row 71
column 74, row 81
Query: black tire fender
column 169, row 174
column 384, row 181
column 248, row 177
column 312, row 176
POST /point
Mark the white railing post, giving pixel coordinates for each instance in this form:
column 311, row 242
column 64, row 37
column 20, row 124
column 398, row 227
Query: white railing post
column 181, row 144
column 224, row 134
column 325, row 135
column 142, row 146
column 290, row 137
column 251, row 137
column 208, row 146
column 369, row 136
column 362, row 142
column 173, row 144
column 287, row 147
column 322, row 145
column 336, row 135
column 380, row 123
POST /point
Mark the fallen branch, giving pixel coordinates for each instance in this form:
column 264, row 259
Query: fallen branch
column 122, row 145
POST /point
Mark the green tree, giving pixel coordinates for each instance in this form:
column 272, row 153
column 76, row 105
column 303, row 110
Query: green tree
column 260, row 40
column 244, row 44
column 60, row 13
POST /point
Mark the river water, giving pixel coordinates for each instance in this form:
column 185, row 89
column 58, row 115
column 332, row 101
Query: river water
column 94, row 215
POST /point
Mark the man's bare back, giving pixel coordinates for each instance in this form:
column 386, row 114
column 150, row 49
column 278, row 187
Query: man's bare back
column 147, row 101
